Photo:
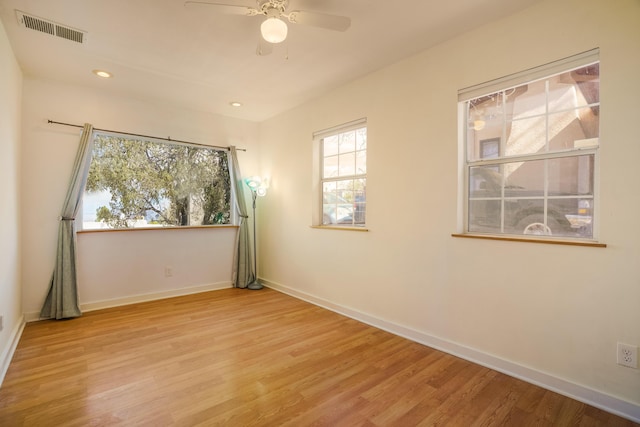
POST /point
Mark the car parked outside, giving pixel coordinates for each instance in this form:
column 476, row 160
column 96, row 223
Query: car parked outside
column 336, row 210
column 522, row 209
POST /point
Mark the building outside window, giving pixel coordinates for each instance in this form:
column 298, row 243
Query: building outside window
column 532, row 151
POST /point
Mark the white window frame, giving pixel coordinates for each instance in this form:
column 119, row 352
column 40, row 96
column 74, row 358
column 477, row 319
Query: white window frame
column 318, row 168
column 141, row 138
column 505, row 83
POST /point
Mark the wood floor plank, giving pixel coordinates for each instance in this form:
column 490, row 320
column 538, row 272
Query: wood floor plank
column 257, row 358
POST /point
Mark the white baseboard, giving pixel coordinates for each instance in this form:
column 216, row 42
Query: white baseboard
column 578, row 392
column 133, row 299
column 7, row 353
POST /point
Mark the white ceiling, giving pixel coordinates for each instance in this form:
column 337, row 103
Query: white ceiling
column 162, row 51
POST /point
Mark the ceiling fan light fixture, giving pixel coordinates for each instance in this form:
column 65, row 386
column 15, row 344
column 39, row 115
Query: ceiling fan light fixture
column 274, row 30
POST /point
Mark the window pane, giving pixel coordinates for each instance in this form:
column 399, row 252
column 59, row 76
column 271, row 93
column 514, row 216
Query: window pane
column 330, row 167
column 487, row 130
column 347, row 164
column 526, row 101
column 485, row 121
column 336, row 209
column 360, row 200
column 484, row 182
column 564, row 127
column 489, row 107
column 347, row 142
column 590, row 121
column 581, row 221
column 361, row 162
column 526, row 136
column 361, row 139
column 330, row 145
column 573, row 129
column 329, row 187
column 577, row 88
column 571, row 176
column 570, row 217
column 144, row 184
column 525, row 216
column 563, row 95
column 485, row 216
column 524, row 179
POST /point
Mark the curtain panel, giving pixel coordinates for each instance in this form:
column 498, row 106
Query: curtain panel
column 62, row 300
column 243, row 273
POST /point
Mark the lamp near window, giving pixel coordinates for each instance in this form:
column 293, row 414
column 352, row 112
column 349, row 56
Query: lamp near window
column 258, row 187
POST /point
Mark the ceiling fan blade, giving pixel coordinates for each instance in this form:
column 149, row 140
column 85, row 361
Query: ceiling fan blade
column 321, row 20
column 226, row 9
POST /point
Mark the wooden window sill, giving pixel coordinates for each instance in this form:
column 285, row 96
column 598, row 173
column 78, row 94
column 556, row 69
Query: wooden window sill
column 533, row 240
column 190, row 227
column 336, row 227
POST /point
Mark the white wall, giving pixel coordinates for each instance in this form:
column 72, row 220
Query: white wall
column 10, row 293
column 549, row 313
column 115, row 267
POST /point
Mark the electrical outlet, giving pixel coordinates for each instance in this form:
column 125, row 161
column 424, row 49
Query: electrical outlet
column 628, row 355
column 168, row 271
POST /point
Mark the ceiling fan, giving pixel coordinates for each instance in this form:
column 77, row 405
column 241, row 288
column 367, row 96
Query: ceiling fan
column 273, row 28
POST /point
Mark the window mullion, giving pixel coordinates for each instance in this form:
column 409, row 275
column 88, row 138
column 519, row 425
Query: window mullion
column 571, row 152
column 344, row 178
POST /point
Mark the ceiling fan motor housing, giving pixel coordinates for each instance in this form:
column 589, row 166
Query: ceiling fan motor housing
column 269, row 5
column 274, row 27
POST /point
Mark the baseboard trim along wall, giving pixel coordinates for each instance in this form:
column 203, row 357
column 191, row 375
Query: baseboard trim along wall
column 134, row 299
column 575, row 391
column 7, row 354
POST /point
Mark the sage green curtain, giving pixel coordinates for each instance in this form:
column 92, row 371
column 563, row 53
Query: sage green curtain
column 243, row 273
column 62, row 299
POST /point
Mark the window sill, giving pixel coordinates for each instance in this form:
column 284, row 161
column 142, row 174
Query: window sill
column 190, row 227
column 532, row 240
column 337, row 227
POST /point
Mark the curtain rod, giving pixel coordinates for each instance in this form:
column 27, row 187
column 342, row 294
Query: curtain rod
column 148, row 136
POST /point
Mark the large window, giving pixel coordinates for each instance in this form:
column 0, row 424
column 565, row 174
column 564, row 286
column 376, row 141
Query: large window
column 343, row 174
column 531, row 155
column 141, row 183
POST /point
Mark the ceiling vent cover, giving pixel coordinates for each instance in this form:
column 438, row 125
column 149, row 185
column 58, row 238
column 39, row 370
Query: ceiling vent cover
column 50, row 27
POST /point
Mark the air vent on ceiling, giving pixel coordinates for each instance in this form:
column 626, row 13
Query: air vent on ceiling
column 50, row 27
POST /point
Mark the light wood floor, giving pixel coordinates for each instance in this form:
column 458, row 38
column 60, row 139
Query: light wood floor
column 257, row 358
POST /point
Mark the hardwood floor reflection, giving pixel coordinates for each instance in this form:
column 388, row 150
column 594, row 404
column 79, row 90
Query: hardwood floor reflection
column 257, row 358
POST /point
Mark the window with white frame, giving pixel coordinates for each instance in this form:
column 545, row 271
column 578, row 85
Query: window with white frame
column 531, row 143
column 343, row 174
column 135, row 182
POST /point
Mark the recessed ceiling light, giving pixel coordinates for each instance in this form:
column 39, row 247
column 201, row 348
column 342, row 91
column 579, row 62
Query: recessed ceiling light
column 103, row 74
column 235, row 104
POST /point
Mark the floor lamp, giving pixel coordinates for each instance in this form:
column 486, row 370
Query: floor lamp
column 258, row 187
